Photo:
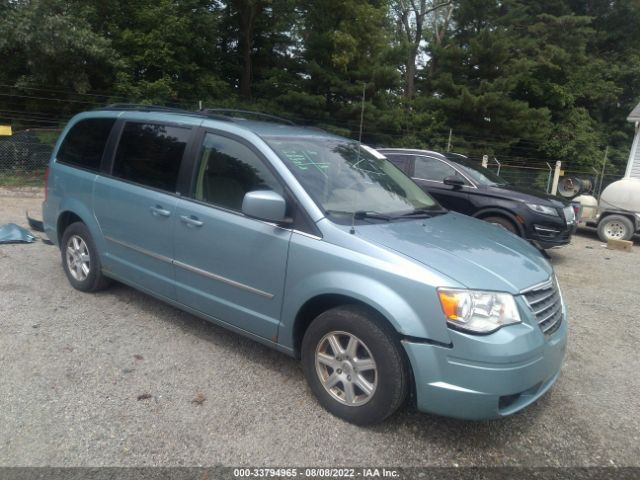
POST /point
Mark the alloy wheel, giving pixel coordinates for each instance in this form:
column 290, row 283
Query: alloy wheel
column 78, row 258
column 346, row 368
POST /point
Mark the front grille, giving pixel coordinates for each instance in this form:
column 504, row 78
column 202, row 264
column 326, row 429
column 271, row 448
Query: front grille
column 544, row 300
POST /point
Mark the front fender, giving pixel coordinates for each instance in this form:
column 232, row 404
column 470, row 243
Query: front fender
column 398, row 289
column 485, row 212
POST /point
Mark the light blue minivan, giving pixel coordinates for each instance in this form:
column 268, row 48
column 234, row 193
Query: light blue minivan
column 315, row 245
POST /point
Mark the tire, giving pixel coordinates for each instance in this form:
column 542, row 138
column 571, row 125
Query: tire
column 378, row 365
column 503, row 222
column 80, row 259
column 615, row 227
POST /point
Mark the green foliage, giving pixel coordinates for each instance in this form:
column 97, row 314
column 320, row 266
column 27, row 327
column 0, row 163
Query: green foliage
column 522, row 80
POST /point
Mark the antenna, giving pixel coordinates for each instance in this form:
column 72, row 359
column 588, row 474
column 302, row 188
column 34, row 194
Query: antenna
column 364, row 89
column 364, row 86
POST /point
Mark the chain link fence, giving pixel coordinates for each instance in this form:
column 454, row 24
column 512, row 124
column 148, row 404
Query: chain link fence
column 24, row 156
column 541, row 177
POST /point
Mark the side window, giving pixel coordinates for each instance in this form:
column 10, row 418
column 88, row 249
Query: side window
column 150, row 154
column 84, row 144
column 227, row 170
column 433, row 169
column 400, row 161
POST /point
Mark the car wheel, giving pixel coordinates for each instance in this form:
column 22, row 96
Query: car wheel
column 355, row 365
column 615, row 227
column 80, row 259
column 503, row 222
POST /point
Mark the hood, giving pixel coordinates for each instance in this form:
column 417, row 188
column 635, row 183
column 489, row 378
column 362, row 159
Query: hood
column 528, row 195
column 474, row 253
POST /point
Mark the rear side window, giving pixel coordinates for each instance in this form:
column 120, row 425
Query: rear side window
column 432, row 169
column 84, row 144
column 150, row 154
column 403, row 162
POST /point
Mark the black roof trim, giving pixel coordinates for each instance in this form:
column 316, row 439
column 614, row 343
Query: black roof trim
column 139, row 107
column 230, row 112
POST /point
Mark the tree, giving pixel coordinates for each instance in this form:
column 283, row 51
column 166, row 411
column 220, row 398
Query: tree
column 410, row 17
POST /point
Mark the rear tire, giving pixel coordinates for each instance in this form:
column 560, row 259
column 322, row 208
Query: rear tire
column 503, row 222
column 355, row 365
column 615, row 227
column 80, row 259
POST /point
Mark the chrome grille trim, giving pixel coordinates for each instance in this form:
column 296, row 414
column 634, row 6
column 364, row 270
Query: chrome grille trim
column 547, row 300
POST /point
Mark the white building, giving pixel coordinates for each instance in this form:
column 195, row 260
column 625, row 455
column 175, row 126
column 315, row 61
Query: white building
column 633, row 165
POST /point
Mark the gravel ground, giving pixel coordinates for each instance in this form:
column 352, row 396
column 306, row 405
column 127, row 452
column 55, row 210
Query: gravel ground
column 76, row 369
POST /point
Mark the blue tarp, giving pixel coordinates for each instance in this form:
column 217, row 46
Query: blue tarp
column 12, row 233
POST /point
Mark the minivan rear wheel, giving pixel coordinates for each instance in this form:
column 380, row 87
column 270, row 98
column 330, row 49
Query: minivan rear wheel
column 355, row 365
column 80, row 259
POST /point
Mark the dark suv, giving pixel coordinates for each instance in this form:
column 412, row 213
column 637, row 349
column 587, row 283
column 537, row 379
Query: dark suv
column 464, row 186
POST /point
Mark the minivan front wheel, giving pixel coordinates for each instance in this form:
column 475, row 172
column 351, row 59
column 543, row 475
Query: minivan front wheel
column 354, row 365
column 80, row 259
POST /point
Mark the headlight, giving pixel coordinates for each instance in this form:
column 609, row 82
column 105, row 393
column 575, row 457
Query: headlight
column 477, row 311
column 542, row 209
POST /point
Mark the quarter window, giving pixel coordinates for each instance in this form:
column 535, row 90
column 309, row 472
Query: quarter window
column 227, row 171
column 429, row 168
column 84, row 144
column 150, row 154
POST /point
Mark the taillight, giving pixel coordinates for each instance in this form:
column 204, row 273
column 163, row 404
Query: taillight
column 46, row 184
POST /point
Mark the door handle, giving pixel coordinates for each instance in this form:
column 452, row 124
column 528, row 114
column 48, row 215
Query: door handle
column 191, row 221
column 158, row 211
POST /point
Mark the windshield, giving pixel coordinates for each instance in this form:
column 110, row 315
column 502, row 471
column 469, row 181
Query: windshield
column 478, row 173
column 347, row 181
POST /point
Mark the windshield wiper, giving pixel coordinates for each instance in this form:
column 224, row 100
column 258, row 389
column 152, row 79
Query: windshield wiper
column 361, row 214
column 422, row 212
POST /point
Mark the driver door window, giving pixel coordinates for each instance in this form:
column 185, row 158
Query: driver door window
column 227, row 171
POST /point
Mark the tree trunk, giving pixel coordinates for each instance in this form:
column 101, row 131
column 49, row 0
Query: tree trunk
column 410, row 79
column 247, row 16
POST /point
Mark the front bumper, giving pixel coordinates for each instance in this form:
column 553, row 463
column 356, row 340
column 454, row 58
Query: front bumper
column 484, row 377
column 545, row 236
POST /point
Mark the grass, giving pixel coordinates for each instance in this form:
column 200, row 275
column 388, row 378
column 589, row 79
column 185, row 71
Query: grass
column 22, row 179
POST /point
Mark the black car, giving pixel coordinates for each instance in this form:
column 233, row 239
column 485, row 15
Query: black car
column 466, row 187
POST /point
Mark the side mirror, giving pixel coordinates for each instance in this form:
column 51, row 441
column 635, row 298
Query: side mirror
column 265, row 205
column 454, row 182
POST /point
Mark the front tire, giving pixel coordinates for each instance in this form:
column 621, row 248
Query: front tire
column 80, row 259
column 615, row 227
column 355, row 365
column 503, row 222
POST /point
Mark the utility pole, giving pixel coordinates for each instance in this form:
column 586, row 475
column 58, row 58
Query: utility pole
column 449, row 142
column 556, row 178
column 604, row 164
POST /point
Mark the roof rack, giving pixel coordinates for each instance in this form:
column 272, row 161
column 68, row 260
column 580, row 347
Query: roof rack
column 146, row 108
column 231, row 112
column 139, row 107
column 226, row 114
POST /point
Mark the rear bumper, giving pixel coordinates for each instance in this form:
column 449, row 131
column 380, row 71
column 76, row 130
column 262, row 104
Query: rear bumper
column 484, row 377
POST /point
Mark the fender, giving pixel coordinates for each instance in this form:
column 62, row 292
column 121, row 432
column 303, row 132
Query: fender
column 73, row 205
column 625, row 213
column 500, row 211
column 369, row 292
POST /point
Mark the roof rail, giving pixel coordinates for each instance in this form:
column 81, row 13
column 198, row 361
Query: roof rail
column 139, row 107
column 231, row 112
column 146, row 108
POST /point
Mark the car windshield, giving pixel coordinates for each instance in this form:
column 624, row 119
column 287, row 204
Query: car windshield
column 350, row 181
column 478, row 173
